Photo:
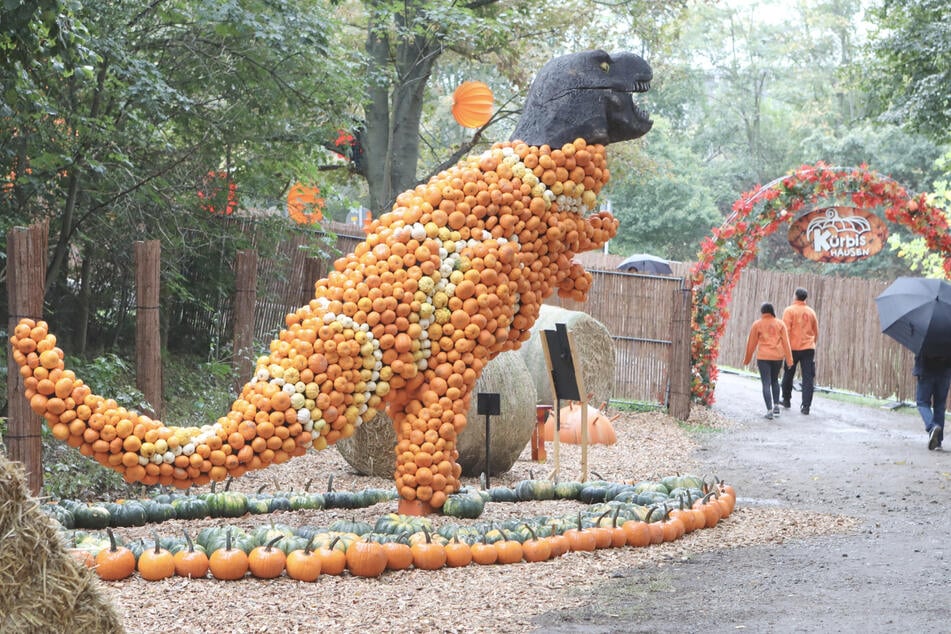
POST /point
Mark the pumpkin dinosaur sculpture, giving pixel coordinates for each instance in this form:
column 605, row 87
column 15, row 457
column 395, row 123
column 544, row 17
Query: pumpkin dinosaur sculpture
column 453, row 275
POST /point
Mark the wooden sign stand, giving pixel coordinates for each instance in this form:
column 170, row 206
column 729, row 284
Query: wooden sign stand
column 566, row 383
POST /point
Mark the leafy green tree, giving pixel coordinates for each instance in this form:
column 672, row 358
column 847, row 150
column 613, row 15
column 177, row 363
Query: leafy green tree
column 909, row 70
column 115, row 134
column 664, row 205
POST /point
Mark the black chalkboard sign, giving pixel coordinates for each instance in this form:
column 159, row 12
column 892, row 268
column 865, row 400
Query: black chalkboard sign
column 488, row 404
column 562, row 366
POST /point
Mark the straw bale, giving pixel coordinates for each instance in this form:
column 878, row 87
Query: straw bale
column 42, row 588
column 510, row 431
column 593, row 353
column 371, row 448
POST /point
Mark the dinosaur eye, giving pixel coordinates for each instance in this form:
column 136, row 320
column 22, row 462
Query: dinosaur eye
column 605, row 66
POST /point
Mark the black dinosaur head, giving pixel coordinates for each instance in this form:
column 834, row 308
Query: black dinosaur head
column 586, row 95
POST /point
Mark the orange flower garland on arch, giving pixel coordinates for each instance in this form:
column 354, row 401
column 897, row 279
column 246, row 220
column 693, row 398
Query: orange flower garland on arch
column 757, row 214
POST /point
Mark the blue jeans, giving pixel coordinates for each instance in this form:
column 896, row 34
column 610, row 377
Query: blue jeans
column 932, row 397
column 769, row 377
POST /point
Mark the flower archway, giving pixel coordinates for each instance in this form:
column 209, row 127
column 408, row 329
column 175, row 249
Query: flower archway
column 758, row 213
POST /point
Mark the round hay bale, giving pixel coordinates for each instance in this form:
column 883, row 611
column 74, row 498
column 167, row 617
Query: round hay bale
column 511, row 430
column 43, row 588
column 594, row 353
column 370, row 450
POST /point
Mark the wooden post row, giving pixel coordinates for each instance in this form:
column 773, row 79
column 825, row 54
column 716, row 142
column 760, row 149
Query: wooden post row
column 26, row 283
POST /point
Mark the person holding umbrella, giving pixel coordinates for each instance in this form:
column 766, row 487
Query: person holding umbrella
column 916, row 312
column 931, row 397
column 769, row 340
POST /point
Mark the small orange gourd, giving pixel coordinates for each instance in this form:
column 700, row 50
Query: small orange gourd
column 428, row 555
column 580, row 539
column 484, row 553
column 267, row 562
column 190, row 562
column 156, row 563
column 303, row 564
column 366, row 558
column 116, row 562
column 536, row 549
column 458, row 553
column 399, row 556
column 333, row 560
column 510, row 551
column 228, row 563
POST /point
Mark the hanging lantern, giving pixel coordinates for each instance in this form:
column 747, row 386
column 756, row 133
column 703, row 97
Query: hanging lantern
column 472, row 104
column 304, row 204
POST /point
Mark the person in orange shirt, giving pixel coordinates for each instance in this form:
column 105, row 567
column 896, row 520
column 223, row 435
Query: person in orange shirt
column 803, row 328
column 769, row 340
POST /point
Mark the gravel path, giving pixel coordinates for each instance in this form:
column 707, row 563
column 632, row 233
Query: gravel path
column 867, row 463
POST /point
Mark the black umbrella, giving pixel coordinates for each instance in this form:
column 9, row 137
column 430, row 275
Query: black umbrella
column 916, row 312
column 645, row 263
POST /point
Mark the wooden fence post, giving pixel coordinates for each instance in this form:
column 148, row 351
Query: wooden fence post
column 26, row 281
column 148, row 340
column 246, row 296
column 678, row 404
column 314, row 269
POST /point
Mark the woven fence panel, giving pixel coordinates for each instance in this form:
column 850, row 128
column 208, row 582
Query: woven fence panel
column 638, row 312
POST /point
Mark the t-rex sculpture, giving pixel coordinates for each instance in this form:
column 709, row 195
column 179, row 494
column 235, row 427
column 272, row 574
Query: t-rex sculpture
column 453, row 275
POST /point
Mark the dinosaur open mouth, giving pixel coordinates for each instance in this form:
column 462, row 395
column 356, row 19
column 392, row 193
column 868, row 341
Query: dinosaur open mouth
column 640, row 87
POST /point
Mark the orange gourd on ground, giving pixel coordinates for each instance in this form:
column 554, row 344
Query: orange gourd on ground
column 116, row 562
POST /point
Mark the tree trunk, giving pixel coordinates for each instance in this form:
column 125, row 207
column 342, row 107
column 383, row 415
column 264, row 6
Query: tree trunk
column 394, row 108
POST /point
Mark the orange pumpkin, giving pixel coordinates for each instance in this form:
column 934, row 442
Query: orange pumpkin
column 303, row 564
column 472, row 104
column 116, row 562
column 600, row 427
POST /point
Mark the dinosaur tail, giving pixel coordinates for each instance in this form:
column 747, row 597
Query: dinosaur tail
column 290, row 404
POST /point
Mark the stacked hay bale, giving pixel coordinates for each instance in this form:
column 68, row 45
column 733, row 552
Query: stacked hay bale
column 42, row 588
column 593, row 353
column 371, row 448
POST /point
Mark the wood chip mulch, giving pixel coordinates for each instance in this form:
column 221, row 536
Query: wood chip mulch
column 476, row 598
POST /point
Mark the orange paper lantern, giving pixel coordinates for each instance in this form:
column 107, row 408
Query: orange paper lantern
column 304, row 204
column 472, row 104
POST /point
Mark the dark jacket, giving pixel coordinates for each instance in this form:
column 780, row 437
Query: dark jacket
column 926, row 364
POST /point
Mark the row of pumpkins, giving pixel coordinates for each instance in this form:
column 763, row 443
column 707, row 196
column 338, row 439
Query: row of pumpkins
column 224, row 503
column 395, row 542
column 468, row 503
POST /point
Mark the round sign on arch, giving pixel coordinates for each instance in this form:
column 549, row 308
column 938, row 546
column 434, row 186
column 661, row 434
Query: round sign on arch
column 758, row 213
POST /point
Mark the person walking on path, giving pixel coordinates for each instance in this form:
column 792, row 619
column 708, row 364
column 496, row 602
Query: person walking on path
column 931, row 396
column 769, row 340
column 803, row 327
